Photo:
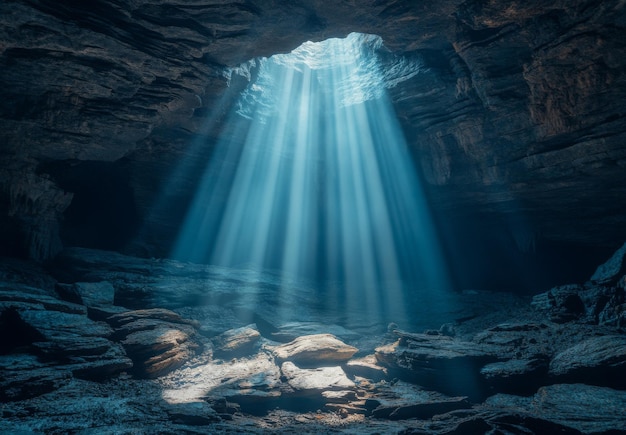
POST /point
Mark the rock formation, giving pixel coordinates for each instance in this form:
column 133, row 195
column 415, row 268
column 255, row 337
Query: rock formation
column 519, row 112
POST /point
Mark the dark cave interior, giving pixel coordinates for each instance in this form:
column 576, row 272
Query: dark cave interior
column 321, row 217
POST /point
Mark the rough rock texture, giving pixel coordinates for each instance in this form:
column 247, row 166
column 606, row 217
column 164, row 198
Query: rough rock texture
column 158, row 341
column 318, row 348
column 520, row 108
column 66, row 367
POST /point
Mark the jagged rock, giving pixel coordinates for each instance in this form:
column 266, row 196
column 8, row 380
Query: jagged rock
column 315, row 381
column 314, row 349
column 237, row 342
column 563, row 303
column 584, row 408
column 597, row 360
column 612, row 270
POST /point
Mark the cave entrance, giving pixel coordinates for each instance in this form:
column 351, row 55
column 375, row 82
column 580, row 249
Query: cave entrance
column 317, row 182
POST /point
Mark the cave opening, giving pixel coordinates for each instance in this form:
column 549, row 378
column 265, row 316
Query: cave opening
column 321, row 185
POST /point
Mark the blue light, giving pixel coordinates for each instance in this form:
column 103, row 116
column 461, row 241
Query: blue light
column 321, row 186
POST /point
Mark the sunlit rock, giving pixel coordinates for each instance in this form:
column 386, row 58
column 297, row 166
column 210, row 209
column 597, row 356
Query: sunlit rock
column 314, row 349
column 237, row 342
column 366, row 367
column 314, row 381
column 158, row 341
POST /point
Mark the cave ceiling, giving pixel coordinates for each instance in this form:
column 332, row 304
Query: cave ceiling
column 521, row 109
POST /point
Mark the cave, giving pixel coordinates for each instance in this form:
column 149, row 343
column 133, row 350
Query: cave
column 385, row 216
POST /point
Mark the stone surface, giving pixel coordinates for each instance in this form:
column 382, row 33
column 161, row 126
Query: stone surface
column 314, row 349
column 90, row 294
column 583, row 408
column 314, row 381
column 597, row 360
column 156, row 346
column 61, row 376
column 237, row 342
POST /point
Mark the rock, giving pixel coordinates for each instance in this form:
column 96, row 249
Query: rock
column 612, row 270
column 597, row 360
column 517, row 376
column 581, row 408
column 448, row 365
column 36, row 298
column 117, row 320
column 72, row 340
column 314, row 349
column 237, row 342
column 156, row 352
column 315, row 381
column 366, row 367
column 563, row 303
column 23, row 377
column 90, row 294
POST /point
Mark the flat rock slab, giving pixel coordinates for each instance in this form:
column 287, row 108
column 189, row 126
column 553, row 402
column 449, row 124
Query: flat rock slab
column 315, row 349
column 588, row 409
column 423, row 351
column 597, row 360
column 315, row 380
column 22, row 377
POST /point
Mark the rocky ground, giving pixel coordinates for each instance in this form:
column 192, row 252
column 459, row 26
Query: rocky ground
column 97, row 342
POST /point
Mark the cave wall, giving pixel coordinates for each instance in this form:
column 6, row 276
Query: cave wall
column 520, row 112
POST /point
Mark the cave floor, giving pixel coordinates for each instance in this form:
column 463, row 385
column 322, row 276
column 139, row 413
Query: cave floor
column 98, row 342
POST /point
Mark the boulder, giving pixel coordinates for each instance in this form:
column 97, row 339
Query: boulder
column 596, row 360
column 237, row 342
column 156, row 352
column 314, row 349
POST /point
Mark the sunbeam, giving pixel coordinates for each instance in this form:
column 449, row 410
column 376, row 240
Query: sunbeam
column 321, row 186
